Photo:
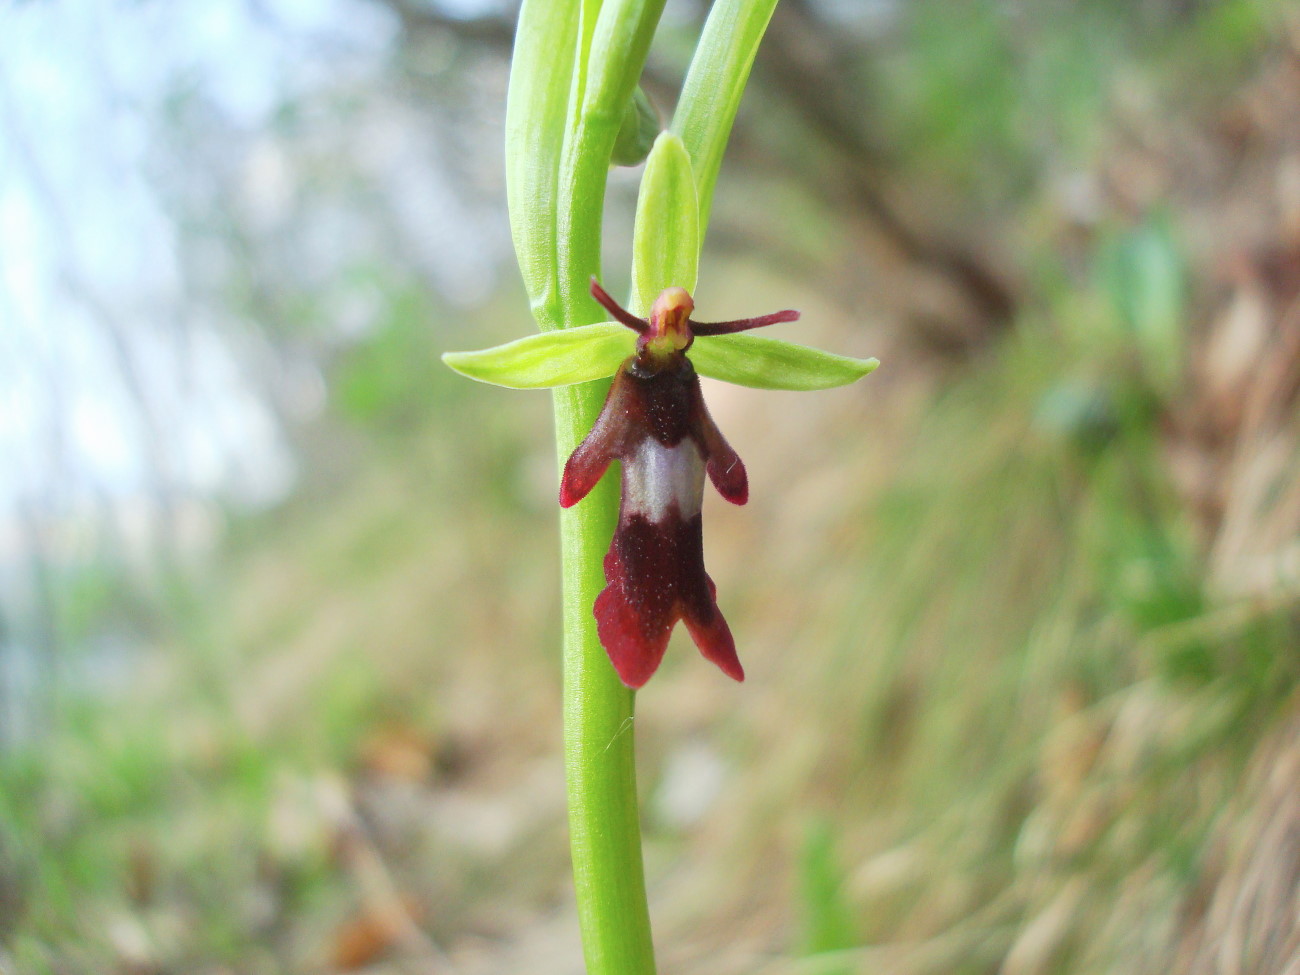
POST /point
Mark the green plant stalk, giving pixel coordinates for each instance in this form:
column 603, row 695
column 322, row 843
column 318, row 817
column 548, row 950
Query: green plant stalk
column 576, row 65
column 600, row 764
column 599, row 739
column 586, row 56
column 619, row 45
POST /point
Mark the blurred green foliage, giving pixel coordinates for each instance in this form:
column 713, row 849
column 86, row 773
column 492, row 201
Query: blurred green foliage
column 1146, row 279
column 390, row 377
column 827, row 918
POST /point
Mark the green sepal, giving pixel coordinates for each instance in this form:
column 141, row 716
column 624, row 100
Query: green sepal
column 556, row 358
column 764, row 363
column 636, row 135
column 666, row 238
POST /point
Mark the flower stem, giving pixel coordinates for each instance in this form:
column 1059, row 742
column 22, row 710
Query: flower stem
column 600, row 764
column 599, row 739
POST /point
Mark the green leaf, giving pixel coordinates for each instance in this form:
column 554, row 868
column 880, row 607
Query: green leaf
column 713, row 86
column 666, row 242
column 557, row 358
column 541, row 73
column 764, row 363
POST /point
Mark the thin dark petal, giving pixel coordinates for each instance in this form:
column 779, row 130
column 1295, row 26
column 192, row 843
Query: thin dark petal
column 638, row 325
column 743, row 324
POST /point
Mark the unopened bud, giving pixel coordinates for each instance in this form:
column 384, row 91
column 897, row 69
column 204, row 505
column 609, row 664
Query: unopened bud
column 637, row 133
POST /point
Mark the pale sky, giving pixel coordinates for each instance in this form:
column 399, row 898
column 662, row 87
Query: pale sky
column 85, row 241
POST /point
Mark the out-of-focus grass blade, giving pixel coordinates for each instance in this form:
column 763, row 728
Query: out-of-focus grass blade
column 1145, row 276
column 826, row 916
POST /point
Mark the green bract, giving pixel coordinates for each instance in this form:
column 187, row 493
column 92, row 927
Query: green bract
column 536, row 114
column 666, row 238
column 615, row 38
column 713, row 86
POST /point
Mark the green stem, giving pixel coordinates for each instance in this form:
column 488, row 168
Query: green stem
column 558, row 143
column 600, row 762
column 619, row 44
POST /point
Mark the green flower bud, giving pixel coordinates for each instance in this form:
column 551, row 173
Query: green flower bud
column 637, row 134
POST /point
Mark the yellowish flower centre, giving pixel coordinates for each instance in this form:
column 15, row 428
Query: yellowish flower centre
column 670, row 329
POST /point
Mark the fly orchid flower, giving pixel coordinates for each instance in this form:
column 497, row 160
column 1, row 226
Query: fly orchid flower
column 655, row 422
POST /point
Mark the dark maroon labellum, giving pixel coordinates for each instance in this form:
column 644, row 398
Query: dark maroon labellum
column 655, row 422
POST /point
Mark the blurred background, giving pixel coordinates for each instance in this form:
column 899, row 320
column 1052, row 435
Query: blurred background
column 279, row 681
